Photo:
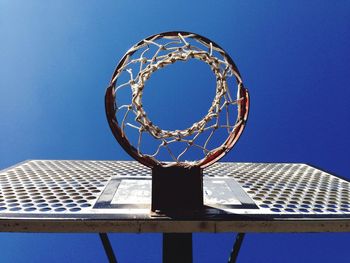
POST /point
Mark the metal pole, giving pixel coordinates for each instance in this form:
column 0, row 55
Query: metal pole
column 236, row 247
column 108, row 248
column 177, row 248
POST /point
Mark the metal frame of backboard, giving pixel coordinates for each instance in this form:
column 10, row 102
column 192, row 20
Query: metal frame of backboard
column 93, row 196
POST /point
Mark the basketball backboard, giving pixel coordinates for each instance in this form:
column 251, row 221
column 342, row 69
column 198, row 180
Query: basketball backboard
column 115, row 196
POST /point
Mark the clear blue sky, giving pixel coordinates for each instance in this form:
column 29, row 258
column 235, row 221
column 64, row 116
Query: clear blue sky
column 56, row 58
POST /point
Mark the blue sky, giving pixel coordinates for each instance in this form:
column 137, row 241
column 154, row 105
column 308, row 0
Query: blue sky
column 56, row 59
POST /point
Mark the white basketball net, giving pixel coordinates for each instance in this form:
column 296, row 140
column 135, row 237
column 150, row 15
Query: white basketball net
column 158, row 52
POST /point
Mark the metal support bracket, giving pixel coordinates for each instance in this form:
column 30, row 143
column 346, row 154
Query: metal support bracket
column 108, row 248
column 236, row 247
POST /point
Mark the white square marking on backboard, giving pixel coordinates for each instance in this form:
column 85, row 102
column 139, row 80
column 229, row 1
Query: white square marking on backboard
column 219, row 192
column 133, row 191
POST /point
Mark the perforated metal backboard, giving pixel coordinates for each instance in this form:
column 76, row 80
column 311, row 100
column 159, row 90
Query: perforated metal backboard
column 115, row 196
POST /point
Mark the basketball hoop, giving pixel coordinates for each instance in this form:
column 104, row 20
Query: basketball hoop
column 136, row 67
column 226, row 113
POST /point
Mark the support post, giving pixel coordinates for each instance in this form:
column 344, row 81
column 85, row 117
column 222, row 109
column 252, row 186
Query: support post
column 177, row 247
